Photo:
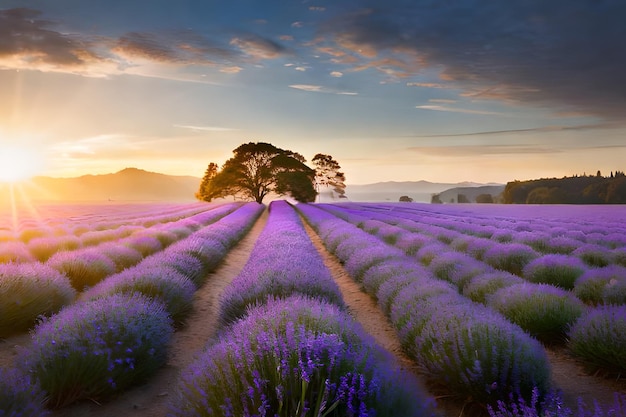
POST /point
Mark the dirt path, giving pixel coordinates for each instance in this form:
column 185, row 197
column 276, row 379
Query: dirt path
column 151, row 399
column 570, row 376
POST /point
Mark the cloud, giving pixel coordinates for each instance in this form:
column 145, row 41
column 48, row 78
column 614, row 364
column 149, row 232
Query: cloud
column 564, row 54
column 427, row 85
column 457, row 110
column 317, row 8
column 542, row 129
column 478, row 150
column 206, row 128
column 28, row 42
column 258, row 47
column 336, row 74
column 320, row 89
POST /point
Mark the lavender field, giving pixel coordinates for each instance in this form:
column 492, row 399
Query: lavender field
column 488, row 304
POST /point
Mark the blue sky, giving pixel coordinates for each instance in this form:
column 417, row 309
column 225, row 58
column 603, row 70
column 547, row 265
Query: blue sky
column 396, row 90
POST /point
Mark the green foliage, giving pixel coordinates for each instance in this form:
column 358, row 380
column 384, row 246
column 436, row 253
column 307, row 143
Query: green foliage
column 568, row 190
column 599, row 338
column 257, row 169
column 327, row 174
column 484, row 199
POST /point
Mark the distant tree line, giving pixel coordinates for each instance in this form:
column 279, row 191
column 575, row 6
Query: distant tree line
column 584, row 189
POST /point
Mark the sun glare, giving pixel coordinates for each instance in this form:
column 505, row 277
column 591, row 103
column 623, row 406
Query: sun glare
column 18, row 164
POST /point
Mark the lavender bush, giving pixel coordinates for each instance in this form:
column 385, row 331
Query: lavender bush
column 599, row 338
column 14, row 251
column 295, row 357
column 457, row 268
column 478, row 354
column 28, row 291
column 543, row 310
column 19, row 396
column 590, row 287
column 182, row 262
column 161, row 282
column 559, row 270
column 43, row 248
column 97, row 348
column 593, row 255
column 84, row 267
column 122, row 256
column 511, row 257
column 483, row 285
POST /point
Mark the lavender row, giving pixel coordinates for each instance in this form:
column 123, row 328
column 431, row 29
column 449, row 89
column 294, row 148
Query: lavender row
column 592, row 284
column 543, row 310
column 550, row 313
column 466, row 347
column 115, row 339
column 41, row 248
column 28, row 290
column 51, row 223
column 283, row 262
column 174, row 274
column 288, row 347
column 596, row 243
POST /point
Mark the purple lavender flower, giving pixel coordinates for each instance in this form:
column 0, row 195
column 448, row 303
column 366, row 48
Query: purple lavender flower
column 590, row 287
column 19, row 396
column 594, row 255
column 43, row 248
column 482, row 286
column 511, row 257
column 96, row 348
column 84, row 267
column 155, row 281
column 14, row 251
column 28, row 291
column 599, row 338
column 543, row 310
column 283, row 262
column 559, row 270
column 296, row 356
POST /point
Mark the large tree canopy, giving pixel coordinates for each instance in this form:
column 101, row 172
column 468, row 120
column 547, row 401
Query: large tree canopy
column 257, row 169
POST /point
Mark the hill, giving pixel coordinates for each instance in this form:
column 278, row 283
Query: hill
column 130, row 184
column 453, row 195
column 419, row 191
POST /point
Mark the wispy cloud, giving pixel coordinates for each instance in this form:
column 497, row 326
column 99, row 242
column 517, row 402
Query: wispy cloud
column 435, row 107
column 321, row 89
column 206, row 128
column 427, row 85
column 336, row 74
column 477, row 150
column 542, row 129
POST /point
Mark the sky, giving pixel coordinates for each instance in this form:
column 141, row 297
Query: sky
column 394, row 90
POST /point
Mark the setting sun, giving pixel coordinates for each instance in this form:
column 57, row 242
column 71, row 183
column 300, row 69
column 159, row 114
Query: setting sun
column 18, row 164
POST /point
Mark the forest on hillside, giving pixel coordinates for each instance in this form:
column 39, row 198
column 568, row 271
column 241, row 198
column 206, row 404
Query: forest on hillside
column 585, row 189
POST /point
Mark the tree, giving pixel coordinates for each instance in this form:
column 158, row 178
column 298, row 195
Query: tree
column 406, row 199
column 327, row 174
column 203, row 193
column 484, row 199
column 462, row 199
column 257, row 169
